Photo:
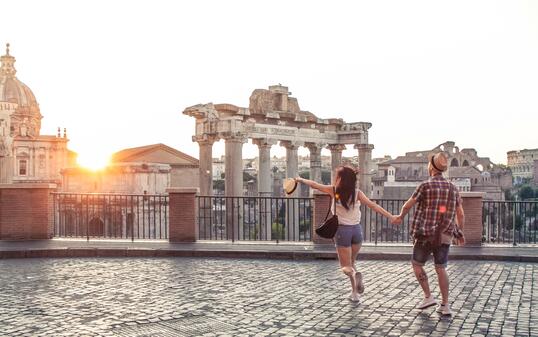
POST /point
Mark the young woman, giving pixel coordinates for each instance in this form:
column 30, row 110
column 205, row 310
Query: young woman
column 348, row 238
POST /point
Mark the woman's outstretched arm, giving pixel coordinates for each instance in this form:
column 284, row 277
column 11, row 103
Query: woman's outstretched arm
column 372, row 205
column 315, row 185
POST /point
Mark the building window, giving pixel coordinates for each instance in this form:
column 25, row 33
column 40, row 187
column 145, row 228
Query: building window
column 22, row 167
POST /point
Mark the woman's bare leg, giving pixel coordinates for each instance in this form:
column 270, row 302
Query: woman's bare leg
column 346, row 265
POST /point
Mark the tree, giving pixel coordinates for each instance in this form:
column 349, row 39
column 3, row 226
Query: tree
column 526, row 192
column 248, row 177
column 218, row 185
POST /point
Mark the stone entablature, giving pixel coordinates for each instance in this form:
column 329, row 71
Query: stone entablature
column 273, row 117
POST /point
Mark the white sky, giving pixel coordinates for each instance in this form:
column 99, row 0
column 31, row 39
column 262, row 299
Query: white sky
column 118, row 74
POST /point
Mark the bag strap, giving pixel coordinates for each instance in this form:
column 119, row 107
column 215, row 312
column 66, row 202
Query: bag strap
column 334, row 205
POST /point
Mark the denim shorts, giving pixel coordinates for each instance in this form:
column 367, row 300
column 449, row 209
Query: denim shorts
column 346, row 235
column 423, row 249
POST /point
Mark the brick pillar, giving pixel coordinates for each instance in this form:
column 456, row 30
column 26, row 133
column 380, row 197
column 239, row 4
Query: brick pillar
column 26, row 211
column 322, row 203
column 472, row 206
column 182, row 216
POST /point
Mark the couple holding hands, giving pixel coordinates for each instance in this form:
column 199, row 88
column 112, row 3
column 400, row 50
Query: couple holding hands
column 437, row 220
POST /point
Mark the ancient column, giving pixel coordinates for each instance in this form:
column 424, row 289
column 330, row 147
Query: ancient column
column 315, row 161
column 336, row 157
column 206, row 165
column 233, row 169
column 233, row 186
column 264, row 167
column 264, row 188
column 292, row 160
column 365, row 158
column 291, row 226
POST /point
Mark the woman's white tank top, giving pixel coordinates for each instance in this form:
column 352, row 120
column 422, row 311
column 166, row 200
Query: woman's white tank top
column 351, row 216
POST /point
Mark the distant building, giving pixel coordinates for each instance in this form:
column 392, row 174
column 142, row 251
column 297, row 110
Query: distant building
column 522, row 164
column 26, row 156
column 218, row 168
column 141, row 170
column 535, row 174
column 399, row 177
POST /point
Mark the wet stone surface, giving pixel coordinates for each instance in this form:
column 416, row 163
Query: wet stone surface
column 243, row 297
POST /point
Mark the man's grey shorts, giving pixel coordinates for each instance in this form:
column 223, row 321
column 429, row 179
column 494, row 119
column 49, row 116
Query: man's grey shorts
column 346, row 235
column 423, row 249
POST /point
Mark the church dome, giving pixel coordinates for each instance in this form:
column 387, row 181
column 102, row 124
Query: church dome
column 14, row 91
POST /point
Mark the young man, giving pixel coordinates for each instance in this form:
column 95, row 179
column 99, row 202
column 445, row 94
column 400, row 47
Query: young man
column 433, row 228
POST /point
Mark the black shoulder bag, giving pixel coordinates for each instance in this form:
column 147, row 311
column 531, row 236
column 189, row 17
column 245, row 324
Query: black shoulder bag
column 329, row 226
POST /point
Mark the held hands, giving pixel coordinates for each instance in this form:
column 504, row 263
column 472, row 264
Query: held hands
column 396, row 220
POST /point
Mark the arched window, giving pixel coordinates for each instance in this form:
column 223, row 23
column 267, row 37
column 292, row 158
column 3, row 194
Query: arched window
column 454, row 163
column 465, row 163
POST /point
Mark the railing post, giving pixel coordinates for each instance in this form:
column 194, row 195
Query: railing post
column 26, row 211
column 182, row 214
column 514, row 210
column 472, row 206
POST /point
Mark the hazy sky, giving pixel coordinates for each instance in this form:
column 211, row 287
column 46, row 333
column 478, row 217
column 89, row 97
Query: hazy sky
column 118, row 74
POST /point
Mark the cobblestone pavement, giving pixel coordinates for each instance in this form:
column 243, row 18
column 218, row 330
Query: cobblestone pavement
column 233, row 297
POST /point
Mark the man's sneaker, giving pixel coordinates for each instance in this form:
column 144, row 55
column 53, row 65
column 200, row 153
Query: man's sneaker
column 427, row 302
column 444, row 309
column 358, row 283
column 354, row 297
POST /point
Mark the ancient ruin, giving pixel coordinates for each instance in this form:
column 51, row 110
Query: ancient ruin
column 273, row 117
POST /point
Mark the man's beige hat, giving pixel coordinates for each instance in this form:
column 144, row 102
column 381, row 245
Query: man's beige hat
column 290, row 185
column 439, row 161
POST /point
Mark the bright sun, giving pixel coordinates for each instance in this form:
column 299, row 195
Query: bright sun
column 93, row 161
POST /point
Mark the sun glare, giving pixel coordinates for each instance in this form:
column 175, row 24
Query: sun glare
column 93, row 161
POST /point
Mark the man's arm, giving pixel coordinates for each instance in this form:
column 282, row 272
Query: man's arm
column 460, row 224
column 407, row 207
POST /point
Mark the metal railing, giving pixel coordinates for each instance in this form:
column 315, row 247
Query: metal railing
column 378, row 229
column 510, row 222
column 110, row 216
column 254, row 218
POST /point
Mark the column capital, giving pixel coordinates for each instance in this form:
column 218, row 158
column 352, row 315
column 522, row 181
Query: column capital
column 291, row 145
column 314, row 146
column 204, row 139
column 336, row 147
column 367, row 147
column 263, row 142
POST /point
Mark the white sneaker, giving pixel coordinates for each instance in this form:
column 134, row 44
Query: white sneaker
column 354, row 297
column 427, row 302
column 444, row 309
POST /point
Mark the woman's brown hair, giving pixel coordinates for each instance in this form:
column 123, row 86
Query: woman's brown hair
column 346, row 182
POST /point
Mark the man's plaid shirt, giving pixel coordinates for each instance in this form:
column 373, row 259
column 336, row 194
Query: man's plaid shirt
column 433, row 203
